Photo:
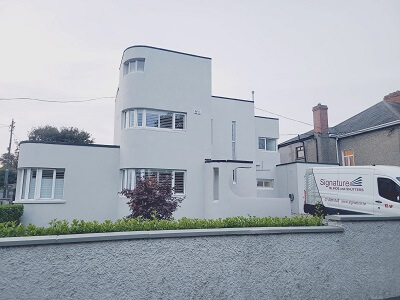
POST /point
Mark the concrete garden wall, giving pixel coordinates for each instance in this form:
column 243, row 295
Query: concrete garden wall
column 354, row 258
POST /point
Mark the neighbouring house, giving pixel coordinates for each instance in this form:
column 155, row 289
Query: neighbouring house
column 371, row 137
column 221, row 156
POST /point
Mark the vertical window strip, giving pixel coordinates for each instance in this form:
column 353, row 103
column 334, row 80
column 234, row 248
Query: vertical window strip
column 179, row 187
column 24, row 171
column 32, row 184
column 233, row 140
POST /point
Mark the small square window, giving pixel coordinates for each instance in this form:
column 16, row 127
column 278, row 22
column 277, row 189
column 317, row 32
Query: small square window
column 300, row 152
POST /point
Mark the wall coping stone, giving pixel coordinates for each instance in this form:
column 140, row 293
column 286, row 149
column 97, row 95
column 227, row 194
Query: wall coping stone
column 352, row 218
column 157, row 234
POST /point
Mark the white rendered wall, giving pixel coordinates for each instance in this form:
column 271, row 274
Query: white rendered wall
column 174, row 82
column 230, row 204
column 266, row 161
column 224, row 111
column 90, row 182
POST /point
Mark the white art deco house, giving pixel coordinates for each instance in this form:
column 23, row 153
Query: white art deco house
column 221, row 157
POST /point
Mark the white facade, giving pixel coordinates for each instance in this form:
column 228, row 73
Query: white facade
column 166, row 120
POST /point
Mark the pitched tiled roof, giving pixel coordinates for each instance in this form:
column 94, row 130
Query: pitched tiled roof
column 383, row 112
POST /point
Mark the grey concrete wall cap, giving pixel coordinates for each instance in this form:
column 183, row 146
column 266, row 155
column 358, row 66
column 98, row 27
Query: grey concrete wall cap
column 132, row 235
column 349, row 218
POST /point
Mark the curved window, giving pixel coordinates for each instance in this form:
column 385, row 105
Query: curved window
column 134, row 65
column 174, row 177
column 151, row 118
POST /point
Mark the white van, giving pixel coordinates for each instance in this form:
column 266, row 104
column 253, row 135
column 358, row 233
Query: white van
column 353, row 190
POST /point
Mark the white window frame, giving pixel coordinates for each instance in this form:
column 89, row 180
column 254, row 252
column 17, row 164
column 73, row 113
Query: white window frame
column 133, row 62
column 25, row 184
column 264, row 180
column 265, row 143
column 125, row 172
column 127, row 113
column 297, row 151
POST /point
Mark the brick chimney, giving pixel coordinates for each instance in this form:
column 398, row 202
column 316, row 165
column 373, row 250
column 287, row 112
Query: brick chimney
column 320, row 113
column 393, row 97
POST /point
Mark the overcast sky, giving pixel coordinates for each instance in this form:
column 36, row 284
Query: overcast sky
column 293, row 54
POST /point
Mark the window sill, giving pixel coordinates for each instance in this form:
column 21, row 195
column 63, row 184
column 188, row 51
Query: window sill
column 39, row 201
column 155, row 129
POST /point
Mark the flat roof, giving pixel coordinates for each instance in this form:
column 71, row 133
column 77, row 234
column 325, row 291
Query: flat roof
column 167, row 50
column 69, row 144
column 266, row 118
column 235, row 99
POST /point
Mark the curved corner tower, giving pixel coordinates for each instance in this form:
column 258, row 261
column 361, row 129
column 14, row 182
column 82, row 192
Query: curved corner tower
column 162, row 120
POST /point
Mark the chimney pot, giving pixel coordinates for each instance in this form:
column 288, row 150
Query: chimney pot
column 393, row 97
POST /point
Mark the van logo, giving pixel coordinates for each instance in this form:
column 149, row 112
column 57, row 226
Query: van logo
column 356, row 182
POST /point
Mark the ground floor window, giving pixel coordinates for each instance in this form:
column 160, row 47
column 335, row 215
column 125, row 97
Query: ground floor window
column 265, row 183
column 42, row 183
column 175, row 177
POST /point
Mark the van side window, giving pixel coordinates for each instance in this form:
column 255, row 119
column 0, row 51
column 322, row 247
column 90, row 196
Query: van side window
column 388, row 189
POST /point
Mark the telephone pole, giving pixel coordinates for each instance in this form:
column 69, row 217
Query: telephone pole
column 5, row 191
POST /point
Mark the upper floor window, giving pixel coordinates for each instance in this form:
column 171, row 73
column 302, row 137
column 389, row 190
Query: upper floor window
column 150, row 118
column 268, row 144
column 300, row 152
column 174, row 177
column 42, row 183
column 348, row 158
column 134, row 65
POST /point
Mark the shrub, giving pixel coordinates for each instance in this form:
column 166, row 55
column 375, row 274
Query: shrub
column 152, row 199
column 11, row 212
column 57, row 227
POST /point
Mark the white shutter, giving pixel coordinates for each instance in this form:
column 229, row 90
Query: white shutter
column 179, row 184
column 32, row 184
column 46, row 188
column 59, row 184
column 166, row 120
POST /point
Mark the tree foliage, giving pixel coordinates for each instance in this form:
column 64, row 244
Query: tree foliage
column 9, row 160
column 152, row 199
column 49, row 133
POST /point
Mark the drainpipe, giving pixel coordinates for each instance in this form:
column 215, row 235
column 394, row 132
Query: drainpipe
column 337, row 148
column 316, row 148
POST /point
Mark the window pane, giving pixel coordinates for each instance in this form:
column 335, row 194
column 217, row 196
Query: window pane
column 151, row 119
column 23, row 183
column 166, row 120
column 233, row 150
column 165, row 176
column 233, row 130
column 138, row 175
column 132, row 66
column 179, row 183
column 32, row 184
column 388, row 189
column 348, row 152
column 268, row 183
column 271, row 144
column 140, row 65
column 140, row 117
column 46, row 187
column 179, row 121
column 131, row 118
column 261, row 143
column 150, row 174
column 260, row 183
column 59, row 184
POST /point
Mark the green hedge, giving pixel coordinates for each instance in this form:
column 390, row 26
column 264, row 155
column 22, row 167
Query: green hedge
column 11, row 229
column 11, row 213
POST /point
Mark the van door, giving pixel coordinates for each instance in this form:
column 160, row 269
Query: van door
column 387, row 196
column 356, row 191
column 326, row 183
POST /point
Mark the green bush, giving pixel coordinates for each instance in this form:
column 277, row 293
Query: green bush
column 11, row 213
column 57, row 227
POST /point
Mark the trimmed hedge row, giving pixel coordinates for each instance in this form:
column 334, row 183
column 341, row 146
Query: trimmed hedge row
column 57, row 227
column 11, row 212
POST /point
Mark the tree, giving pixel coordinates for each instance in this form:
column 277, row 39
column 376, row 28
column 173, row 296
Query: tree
column 9, row 160
column 49, row 133
column 152, row 199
